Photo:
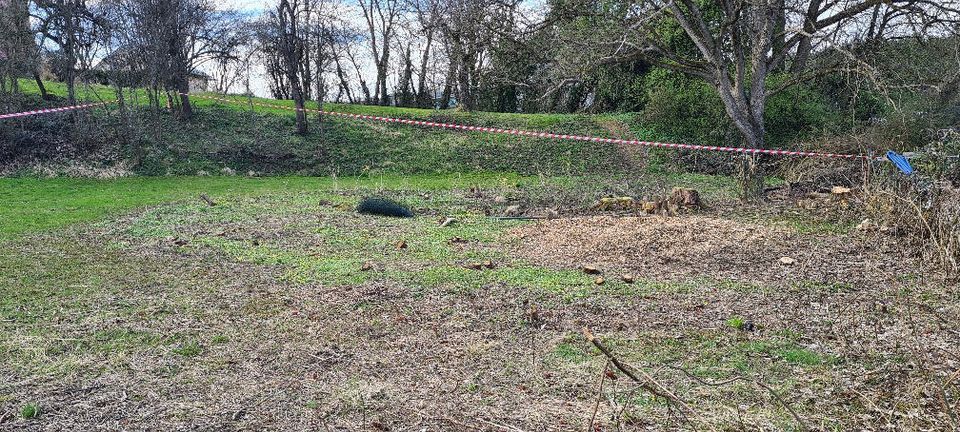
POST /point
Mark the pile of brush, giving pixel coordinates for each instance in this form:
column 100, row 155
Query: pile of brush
column 383, row 207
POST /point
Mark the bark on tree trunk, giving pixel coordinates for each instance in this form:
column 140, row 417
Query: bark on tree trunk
column 43, row 88
column 382, row 78
column 71, row 89
column 751, row 178
column 186, row 108
column 751, row 175
column 423, row 99
column 301, row 114
column 298, row 101
column 448, row 85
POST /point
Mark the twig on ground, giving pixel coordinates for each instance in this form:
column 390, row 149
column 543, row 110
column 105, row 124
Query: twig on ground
column 596, row 406
column 462, row 424
column 501, row 426
column 803, row 424
column 645, row 380
column 207, row 200
column 519, row 218
column 779, row 399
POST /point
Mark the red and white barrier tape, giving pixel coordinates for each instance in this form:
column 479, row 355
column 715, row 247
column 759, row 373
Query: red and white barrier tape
column 53, row 110
column 552, row 135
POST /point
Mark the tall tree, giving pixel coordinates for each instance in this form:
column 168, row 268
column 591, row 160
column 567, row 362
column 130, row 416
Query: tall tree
column 735, row 45
column 287, row 50
column 17, row 49
column 169, row 40
column 471, row 29
column 381, row 18
column 71, row 30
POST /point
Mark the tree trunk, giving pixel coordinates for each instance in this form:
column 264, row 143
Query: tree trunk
column 382, row 77
column 806, row 43
column 464, row 88
column 424, row 100
column 448, row 85
column 186, row 108
column 344, row 83
column 751, row 178
column 41, row 86
column 301, row 113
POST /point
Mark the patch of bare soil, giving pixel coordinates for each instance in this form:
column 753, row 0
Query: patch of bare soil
column 672, row 248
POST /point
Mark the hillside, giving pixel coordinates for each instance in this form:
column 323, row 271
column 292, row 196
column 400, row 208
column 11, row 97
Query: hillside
column 233, row 138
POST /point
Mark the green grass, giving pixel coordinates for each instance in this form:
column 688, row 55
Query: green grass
column 96, row 92
column 36, row 205
column 29, row 411
column 229, row 135
column 277, row 258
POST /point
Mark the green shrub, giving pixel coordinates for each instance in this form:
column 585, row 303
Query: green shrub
column 689, row 110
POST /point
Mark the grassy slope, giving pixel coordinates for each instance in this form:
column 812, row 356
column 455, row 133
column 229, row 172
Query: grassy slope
column 230, row 135
column 375, row 155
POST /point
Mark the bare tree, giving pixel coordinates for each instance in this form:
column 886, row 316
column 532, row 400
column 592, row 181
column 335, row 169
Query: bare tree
column 229, row 68
column 169, row 40
column 73, row 31
column 428, row 21
column 471, row 28
column 17, row 49
column 381, row 18
column 286, row 50
column 340, row 40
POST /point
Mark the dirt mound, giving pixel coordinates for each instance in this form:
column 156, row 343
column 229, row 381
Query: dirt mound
column 670, row 248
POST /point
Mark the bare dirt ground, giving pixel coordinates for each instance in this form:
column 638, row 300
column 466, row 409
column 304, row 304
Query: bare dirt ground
column 672, row 248
column 257, row 315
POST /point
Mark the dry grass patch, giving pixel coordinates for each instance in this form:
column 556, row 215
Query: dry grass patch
column 678, row 248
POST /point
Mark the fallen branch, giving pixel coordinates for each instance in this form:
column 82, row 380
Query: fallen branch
column 644, row 379
column 207, row 200
column 519, row 218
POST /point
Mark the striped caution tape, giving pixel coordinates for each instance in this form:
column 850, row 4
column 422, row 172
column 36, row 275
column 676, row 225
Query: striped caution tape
column 536, row 134
column 54, row 110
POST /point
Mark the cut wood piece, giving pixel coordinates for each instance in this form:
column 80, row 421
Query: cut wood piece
column 589, row 269
column 685, row 197
column 207, row 200
column 840, row 190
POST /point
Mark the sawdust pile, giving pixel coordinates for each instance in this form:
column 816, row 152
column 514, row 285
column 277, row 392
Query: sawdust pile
column 670, row 248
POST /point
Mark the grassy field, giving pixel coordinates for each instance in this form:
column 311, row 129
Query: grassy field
column 131, row 304
column 231, row 136
column 36, row 205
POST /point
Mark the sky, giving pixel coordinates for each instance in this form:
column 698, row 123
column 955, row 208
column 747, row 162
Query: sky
column 258, row 81
column 244, row 5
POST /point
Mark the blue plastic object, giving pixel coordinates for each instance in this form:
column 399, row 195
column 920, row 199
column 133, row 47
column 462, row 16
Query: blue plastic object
column 900, row 162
